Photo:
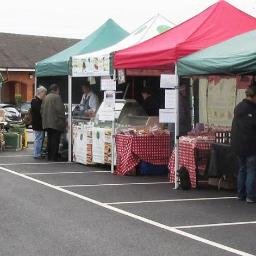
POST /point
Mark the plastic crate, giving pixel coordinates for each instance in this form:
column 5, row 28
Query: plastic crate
column 145, row 168
column 19, row 128
column 13, row 141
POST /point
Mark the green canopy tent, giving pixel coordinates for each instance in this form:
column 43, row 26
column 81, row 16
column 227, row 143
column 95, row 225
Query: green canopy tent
column 234, row 56
column 58, row 65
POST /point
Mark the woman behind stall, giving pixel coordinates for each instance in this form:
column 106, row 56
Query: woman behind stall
column 150, row 104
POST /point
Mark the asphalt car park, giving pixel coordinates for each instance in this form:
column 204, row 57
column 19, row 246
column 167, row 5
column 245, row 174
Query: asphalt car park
column 71, row 209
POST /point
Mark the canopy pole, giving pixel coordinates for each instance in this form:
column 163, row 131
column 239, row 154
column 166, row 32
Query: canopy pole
column 35, row 84
column 176, row 141
column 113, row 136
column 70, row 118
column 192, row 103
column 113, row 147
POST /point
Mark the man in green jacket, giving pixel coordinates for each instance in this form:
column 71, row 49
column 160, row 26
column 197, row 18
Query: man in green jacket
column 53, row 121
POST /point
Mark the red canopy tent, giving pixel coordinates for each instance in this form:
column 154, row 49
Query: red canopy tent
column 217, row 23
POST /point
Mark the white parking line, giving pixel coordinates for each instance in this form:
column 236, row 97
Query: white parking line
column 14, row 156
column 174, row 200
column 133, row 216
column 35, row 163
column 217, row 225
column 55, row 173
column 114, row 184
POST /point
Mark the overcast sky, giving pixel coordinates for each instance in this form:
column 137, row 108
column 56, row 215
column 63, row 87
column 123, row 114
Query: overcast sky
column 78, row 18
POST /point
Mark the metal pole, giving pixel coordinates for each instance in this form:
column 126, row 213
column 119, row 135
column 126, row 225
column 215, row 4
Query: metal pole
column 176, row 144
column 35, row 86
column 113, row 147
column 113, row 137
column 192, row 104
column 70, row 118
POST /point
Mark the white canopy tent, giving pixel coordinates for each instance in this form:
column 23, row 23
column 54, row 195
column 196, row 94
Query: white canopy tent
column 99, row 63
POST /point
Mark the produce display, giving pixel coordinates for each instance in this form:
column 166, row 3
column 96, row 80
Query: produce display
column 145, row 131
column 92, row 140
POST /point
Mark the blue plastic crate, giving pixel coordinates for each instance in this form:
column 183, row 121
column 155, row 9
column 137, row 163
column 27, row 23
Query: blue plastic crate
column 145, row 168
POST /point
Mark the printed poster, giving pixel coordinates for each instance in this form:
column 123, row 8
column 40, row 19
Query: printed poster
column 91, row 66
column 102, row 144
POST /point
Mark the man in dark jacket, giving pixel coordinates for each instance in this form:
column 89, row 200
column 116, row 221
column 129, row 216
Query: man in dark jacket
column 244, row 145
column 53, row 120
column 37, row 120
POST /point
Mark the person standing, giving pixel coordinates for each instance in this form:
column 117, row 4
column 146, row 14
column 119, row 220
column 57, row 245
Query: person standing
column 149, row 104
column 244, row 145
column 53, row 120
column 37, row 120
column 89, row 101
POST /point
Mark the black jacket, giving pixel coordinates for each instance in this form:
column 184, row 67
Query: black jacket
column 151, row 106
column 244, row 129
column 36, row 114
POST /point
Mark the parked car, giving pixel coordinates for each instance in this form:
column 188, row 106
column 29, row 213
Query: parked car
column 11, row 113
column 23, row 108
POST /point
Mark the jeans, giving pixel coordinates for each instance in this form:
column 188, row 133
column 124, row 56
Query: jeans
column 246, row 180
column 38, row 143
column 53, row 143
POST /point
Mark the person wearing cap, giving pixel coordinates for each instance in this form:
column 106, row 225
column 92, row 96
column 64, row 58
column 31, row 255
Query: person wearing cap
column 89, row 102
column 149, row 104
column 243, row 143
column 53, row 120
column 37, row 120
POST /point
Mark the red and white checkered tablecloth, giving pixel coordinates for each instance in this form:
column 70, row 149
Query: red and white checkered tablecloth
column 131, row 149
column 188, row 147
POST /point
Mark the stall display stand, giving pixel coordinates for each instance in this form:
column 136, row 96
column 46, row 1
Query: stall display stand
column 171, row 112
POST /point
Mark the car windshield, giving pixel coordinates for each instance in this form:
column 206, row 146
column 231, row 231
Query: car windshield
column 25, row 106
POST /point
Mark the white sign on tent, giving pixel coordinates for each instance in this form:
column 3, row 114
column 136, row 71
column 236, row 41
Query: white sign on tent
column 98, row 63
column 94, row 66
column 108, row 84
column 170, row 99
column 168, row 81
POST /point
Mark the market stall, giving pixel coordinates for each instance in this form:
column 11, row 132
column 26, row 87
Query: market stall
column 152, row 147
column 234, row 57
column 217, row 23
column 59, row 64
column 128, row 113
column 195, row 151
column 92, row 139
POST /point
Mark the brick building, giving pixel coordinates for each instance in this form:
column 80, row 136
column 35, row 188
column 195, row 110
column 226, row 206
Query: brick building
column 18, row 55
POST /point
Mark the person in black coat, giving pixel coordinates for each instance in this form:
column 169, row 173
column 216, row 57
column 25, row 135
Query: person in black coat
column 37, row 120
column 150, row 104
column 244, row 145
